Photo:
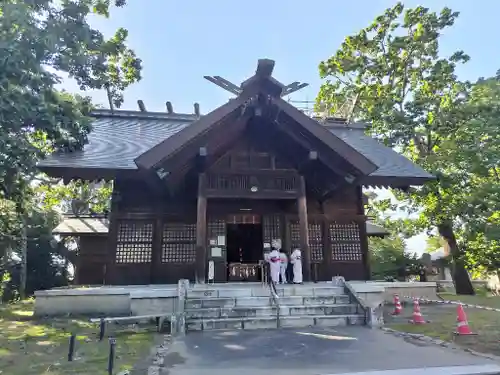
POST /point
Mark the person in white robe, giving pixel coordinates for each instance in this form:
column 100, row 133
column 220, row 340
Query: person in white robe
column 274, row 261
column 283, row 265
column 296, row 260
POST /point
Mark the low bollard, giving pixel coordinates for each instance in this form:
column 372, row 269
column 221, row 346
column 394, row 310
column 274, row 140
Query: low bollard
column 71, row 349
column 111, row 359
column 102, row 329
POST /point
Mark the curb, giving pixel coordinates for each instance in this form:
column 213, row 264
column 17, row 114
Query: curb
column 159, row 352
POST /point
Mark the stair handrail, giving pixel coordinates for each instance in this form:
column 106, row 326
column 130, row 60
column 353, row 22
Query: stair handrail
column 274, row 295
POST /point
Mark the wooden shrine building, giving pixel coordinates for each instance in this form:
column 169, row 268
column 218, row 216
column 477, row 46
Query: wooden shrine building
column 192, row 190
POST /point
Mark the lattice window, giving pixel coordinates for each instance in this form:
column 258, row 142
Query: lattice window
column 316, row 242
column 178, row 243
column 134, row 242
column 315, row 239
column 346, row 242
column 216, row 227
column 294, row 235
column 271, row 228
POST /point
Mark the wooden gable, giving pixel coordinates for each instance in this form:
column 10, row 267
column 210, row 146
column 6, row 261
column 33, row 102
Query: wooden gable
column 259, row 101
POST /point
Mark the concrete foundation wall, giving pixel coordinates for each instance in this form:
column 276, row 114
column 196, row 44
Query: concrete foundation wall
column 375, row 293
column 417, row 289
column 106, row 301
column 105, row 305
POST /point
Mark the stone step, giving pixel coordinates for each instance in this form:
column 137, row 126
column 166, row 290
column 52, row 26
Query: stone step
column 270, row 311
column 198, row 303
column 263, row 291
column 270, row 323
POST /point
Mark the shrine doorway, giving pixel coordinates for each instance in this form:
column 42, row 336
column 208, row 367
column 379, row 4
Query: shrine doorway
column 244, row 251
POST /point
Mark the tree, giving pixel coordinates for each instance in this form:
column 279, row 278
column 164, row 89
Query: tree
column 474, row 151
column 39, row 40
column 389, row 258
column 46, row 261
column 414, row 101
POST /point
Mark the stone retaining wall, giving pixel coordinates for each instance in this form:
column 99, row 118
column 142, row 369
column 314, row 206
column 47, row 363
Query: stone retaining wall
column 105, row 301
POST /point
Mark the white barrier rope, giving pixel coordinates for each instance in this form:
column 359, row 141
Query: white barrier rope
column 446, row 302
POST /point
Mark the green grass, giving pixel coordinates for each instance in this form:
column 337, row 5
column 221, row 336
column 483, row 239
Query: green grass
column 30, row 346
column 443, row 323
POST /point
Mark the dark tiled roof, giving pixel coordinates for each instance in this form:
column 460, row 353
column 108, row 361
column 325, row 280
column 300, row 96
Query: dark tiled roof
column 375, row 230
column 82, row 225
column 390, row 163
column 117, row 140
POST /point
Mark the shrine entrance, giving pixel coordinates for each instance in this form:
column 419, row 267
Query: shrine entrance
column 244, row 251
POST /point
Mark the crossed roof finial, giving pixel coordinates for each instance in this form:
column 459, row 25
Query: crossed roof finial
column 264, row 70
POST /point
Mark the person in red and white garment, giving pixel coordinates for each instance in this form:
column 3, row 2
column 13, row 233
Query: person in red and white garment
column 274, row 261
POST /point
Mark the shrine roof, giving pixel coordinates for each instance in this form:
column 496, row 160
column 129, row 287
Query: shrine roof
column 391, row 164
column 121, row 136
column 118, row 137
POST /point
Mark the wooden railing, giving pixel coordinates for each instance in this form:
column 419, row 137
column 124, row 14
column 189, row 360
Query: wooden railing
column 253, row 184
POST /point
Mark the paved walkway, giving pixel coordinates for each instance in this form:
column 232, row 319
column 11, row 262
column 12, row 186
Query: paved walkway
column 313, row 352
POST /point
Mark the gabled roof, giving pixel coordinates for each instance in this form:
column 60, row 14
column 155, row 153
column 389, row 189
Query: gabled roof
column 133, row 140
column 263, row 91
column 120, row 137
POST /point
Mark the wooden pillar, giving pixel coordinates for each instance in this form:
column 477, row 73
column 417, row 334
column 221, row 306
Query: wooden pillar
column 362, row 234
column 304, row 230
column 110, row 276
column 157, row 249
column 201, row 230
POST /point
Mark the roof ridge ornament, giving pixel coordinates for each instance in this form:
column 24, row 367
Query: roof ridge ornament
column 264, row 72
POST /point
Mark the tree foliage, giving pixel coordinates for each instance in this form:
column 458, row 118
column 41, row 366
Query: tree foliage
column 415, row 103
column 40, row 42
column 389, row 258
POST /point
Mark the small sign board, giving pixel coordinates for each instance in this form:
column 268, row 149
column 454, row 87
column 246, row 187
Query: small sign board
column 216, row 252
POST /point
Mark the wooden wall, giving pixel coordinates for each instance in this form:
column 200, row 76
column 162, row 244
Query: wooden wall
column 90, row 268
column 152, row 238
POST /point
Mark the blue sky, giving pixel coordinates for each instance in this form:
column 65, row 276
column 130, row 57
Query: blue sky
column 181, row 41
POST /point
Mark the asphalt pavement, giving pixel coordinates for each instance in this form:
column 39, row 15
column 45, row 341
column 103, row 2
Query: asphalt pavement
column 309, row 351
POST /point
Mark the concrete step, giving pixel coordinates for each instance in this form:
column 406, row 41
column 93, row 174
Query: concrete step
column 198, row 303
column 270, row 311
column 210, row 291
column 271, row 322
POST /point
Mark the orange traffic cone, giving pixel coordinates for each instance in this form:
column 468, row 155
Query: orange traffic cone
column 462, row 324
column 417, row 315
column 397, row 306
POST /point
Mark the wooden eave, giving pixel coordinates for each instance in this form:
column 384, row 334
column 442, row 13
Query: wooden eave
column 154, row 156
column 349, row 154
column 89, row 174
column 396, row 182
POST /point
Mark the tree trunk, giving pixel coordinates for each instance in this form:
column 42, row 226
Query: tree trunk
column 24, row 258
column 461, row 279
